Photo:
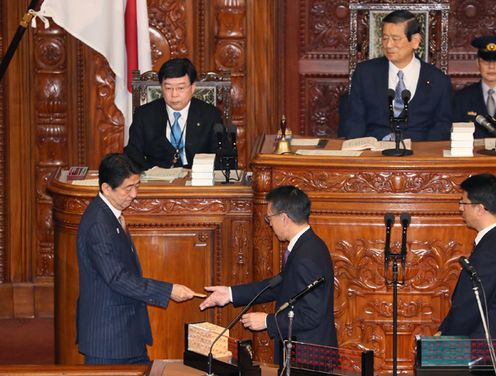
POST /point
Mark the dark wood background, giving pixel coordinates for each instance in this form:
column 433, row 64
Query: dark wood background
column 56, row 101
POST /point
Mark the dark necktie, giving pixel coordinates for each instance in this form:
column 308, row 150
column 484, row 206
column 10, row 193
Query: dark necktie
column 398, row 100
column 285, row 257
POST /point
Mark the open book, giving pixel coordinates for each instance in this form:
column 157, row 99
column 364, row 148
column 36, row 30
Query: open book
column 372, row 143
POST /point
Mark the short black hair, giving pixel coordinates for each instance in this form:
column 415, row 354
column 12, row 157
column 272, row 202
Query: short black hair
column 177, row 67
column 292, row 201
column 481, row 189
column 115, row 168
column 399, row 16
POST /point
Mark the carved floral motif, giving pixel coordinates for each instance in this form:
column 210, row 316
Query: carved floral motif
column 370, row 182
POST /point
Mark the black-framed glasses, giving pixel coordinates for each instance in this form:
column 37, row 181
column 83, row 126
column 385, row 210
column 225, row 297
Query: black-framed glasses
column 268, row 217
column 467, row 203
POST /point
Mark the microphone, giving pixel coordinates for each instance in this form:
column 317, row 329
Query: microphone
column 309, row 288
column 405, row 219
column 272, row 283
column 232, row 131
column 406, row 95
column 467, row 266
column 389, row 221
column 391, row 94
column 219, row 132
column 481, row 120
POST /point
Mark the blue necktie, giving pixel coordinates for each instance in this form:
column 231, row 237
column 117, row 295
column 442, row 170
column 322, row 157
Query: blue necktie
column 176, row 134
column 398, row 100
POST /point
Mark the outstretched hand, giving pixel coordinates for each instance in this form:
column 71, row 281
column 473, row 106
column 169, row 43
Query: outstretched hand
column 219, row 297
column 181, row 293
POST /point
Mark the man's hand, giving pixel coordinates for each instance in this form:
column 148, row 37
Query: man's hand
column 254, row 320
column 181, row 293
column 219, row 297
column 438, row 333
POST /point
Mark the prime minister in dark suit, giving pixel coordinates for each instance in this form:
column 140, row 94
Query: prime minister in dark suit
column 112, row 317
column 429, row 109
column 478, row 207
column 169, row 131
column 306, row 259
column 479, row 98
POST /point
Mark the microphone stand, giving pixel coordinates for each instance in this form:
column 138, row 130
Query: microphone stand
column 395, row 282
column 487, row 334
column 272, row 283
column 289, row 343
column 395, row 124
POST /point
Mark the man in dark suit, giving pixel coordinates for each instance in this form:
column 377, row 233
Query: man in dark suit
column 429, row 108
column 169, row 131
column 112, row 317
column 478, row 207
column 307, row 259
column 479, row 98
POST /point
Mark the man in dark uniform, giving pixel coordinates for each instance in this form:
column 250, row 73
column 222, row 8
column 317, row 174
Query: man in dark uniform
column 479, row 98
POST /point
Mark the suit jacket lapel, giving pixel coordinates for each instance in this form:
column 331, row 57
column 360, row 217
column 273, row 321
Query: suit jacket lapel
column 112, row 219
column 382, row 78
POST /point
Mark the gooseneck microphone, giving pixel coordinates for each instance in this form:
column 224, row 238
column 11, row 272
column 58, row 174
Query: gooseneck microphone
column 482, row 121
column 405, row 219
column 307, row 289
column 467, row 266
column 406, row 95
column 219, row 133
column 389, row 221
column 272, row 283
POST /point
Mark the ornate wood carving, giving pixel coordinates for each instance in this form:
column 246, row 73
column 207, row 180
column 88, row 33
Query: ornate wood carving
column 51, row 124
column 370, row 182
column 349, row 199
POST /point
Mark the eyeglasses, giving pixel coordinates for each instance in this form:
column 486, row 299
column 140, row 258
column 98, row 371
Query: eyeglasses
column 268, row 217
column 468, row 203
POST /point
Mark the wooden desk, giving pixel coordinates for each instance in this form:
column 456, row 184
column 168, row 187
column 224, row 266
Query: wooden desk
column 196, row 236
column 350, row 196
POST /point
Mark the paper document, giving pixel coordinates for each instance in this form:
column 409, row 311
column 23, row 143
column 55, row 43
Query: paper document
column 305, row 141
column 332, row 153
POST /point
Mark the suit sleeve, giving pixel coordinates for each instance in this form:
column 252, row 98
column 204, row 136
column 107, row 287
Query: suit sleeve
column 135, row 148
column 243, row 294
column 354, row 124
column 309, row 309
column 442, row 113
column 104, row 257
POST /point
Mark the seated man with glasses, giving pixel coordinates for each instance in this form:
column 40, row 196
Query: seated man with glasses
column 169, row 131
column 305, row 260
column 429, row 106
column 478, row 207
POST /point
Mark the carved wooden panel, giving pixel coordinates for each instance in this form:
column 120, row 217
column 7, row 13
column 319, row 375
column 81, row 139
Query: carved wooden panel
column 349, row 199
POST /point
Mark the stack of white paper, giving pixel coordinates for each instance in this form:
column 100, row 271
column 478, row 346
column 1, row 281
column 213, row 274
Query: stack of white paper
column 462, row 140
column 202, row 172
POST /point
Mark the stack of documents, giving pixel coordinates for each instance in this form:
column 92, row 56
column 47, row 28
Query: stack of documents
column 202, row 172
column 462, row 140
